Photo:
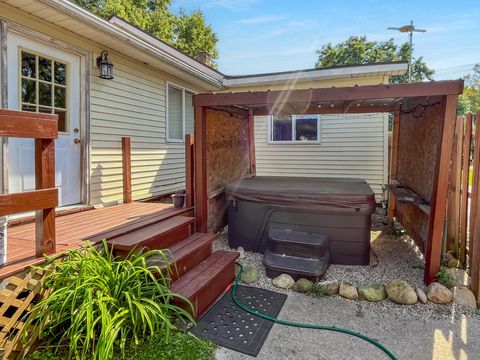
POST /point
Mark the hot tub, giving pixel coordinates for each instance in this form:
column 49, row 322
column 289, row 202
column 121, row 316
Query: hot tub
column 335, row 207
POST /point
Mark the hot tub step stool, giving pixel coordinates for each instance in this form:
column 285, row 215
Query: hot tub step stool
column 299, row 254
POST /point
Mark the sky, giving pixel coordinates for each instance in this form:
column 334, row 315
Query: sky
column 258, row 36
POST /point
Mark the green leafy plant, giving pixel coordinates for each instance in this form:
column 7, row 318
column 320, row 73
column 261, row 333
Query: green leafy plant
column 99, row 304
column 399, row 231
column 445, row 278
column 318, row 290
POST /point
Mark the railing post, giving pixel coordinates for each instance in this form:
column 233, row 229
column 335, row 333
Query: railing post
column 189, row 170
column 475, row 215
column 127, row 170
column 45, row 179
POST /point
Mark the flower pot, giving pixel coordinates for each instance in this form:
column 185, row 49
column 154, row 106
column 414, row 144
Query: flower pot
column 178, row 200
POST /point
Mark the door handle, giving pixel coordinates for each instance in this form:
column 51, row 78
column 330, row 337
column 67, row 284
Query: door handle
column 76, row 141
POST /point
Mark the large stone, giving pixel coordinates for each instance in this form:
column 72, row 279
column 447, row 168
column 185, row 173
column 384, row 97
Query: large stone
column 438, row 293
column 331, row 285
column 250, row 275
column 284, row 281
column 460, row 276
column 372, row 292
column 241, row 253
column 401, row 292
column 464, row 296
column 348, row 291
column 422, row 297
column 449, row 255
column 302, row 285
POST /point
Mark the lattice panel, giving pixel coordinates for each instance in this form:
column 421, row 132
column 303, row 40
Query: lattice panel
column 17, row 296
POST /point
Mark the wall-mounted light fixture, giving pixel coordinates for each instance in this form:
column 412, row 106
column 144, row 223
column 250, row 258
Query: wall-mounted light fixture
column 105, row 66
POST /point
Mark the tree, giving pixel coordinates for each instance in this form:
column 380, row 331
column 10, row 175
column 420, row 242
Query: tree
column 187, row 32
column 358, row 50
column 469, row 101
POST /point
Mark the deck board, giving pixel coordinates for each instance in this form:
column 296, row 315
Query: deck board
column 73, row 229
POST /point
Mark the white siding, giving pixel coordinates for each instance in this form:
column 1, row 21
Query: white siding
column 132, row 104
column 351, row 146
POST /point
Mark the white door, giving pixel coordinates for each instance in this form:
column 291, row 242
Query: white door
column 45, row 79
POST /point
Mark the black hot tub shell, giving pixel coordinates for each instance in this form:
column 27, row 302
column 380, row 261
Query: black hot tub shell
column 336, row 207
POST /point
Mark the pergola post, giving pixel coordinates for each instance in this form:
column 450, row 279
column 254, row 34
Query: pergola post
column 251, row 141
column 392, row 201
column 201, row 199
column 438, row 204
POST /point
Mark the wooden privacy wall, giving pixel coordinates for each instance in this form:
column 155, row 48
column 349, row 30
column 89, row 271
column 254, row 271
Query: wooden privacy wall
column 227, row 159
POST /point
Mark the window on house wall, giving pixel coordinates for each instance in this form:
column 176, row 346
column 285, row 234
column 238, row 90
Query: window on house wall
column 44, row 86
column 179, row 113
column 294, row 129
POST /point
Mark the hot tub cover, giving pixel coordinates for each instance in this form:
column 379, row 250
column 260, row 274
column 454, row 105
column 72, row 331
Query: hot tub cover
column 304, row 191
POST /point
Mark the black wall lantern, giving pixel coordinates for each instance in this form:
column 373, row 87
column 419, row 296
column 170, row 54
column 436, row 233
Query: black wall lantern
column 105, row 66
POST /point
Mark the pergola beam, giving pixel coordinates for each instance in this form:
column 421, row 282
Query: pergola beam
column 289, row 110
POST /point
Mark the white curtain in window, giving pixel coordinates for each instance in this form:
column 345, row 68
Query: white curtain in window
column 189, row 113
column 175, row 113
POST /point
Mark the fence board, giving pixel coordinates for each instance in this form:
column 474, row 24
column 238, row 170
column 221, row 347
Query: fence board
column 475, row 214
column 467, row 142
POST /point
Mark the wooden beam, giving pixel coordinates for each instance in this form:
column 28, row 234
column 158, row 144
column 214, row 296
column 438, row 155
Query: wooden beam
column 127, row 169
column 453, row 200
column 438, row 203
column 27, row 201
column 251, row 142
column 289, row 109
column 189, row 170
column 392, row 201
column 475, row 215
column 23, row 124
column 467, row 142
column 381, row 91
column 201, row 197
column 45, row 179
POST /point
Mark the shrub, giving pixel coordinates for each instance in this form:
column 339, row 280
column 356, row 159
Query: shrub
column 99, row 303
column 445, row 278
column 318, row 290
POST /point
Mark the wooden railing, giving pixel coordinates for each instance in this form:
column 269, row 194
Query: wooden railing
column 127, row 169
column 44, row 129
column 189, row 170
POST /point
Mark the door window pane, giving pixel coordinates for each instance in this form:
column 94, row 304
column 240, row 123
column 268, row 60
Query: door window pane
column 28, row 65
column 282, row 128
column 60, row 97
column 45, row 94
column 45, row 69
column 60, row 73
column 29, row 91
column 62, row 123
column 306, row 129
column 175, row 113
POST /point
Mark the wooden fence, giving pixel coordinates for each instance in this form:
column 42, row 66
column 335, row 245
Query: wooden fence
column 463, row 212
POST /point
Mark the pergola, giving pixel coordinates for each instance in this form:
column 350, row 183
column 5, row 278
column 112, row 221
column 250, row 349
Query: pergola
column 423, row 131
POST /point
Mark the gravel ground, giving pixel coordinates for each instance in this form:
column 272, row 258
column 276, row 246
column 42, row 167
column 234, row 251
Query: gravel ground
column 392, row 257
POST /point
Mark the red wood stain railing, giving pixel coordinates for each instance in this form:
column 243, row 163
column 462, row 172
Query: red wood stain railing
column 44, row 129
column 127, row 169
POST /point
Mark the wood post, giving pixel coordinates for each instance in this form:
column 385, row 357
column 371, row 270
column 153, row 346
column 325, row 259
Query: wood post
column 189, row 170
column 127, row 169
column 392, row 201
column 45, row 179
column 201, row 198
column 467, row 141
column 251, row 141
column 475, row 215
column 454, row 187
column 438, row 202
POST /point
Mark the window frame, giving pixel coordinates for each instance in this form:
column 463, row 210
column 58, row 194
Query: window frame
column 37, row 80
column 294, row 131
column 169, row 84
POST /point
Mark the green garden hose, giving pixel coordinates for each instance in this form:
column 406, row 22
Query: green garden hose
column 307, row 326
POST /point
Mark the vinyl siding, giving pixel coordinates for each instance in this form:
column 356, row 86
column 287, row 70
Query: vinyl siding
column 351, row 146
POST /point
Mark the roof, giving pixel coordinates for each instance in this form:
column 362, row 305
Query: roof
column 125, row 38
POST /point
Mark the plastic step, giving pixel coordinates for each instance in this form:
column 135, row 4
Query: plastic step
column 207, row 281
column 289, row 242
column 156, row 236
column 186, row 254
column 297, row 267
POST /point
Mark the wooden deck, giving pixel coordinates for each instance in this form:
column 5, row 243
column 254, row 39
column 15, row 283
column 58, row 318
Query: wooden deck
column 73, row 229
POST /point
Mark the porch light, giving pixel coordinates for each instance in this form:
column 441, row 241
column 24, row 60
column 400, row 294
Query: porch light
column 105, row 66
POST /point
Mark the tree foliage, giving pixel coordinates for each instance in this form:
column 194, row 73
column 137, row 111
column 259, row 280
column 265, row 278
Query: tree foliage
column 469, row 101
column 187, row 32
column 358, row 50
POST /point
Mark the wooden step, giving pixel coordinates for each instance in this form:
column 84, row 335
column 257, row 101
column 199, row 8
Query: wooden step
column 187, row 254
column 160, row 235
column 207, row 281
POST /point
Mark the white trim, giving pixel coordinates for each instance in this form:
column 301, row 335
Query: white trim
column 270, row 140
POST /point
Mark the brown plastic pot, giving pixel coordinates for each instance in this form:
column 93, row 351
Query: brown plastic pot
column 178, row 200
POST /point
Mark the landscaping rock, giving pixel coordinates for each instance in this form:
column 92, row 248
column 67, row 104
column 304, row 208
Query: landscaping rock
column 422, row 297
column 438, row 293
column 401, row 292
column 454, row 263
column 241, row 253
column 284, row 281
column 449, row 255
column 372, row 292
column 250, row 275
column 464, row 296
column 331, row 285
column 461, row 278
column 348, row 291
column 302, row 285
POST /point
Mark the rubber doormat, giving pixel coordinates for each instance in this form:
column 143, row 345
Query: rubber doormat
column 229, row 326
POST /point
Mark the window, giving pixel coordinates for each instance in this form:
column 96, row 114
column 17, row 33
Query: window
column 294, row 129
column 180, row 113
column 44, row 86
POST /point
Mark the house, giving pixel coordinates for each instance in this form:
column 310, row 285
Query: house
column 50, row 50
